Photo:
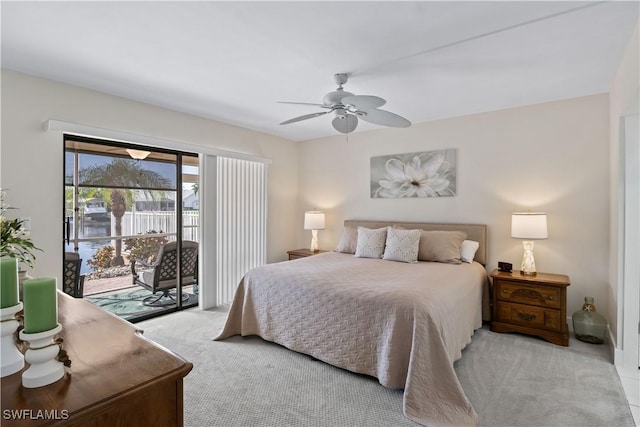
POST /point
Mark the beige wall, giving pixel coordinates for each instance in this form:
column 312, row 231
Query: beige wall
column 623, row 101
column 31, row 158
column 551, row 157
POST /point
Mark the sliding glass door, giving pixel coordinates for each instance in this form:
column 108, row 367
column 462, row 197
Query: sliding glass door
column 131, row 214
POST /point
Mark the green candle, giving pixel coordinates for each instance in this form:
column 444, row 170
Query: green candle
column 40, row 304
column 8, row 282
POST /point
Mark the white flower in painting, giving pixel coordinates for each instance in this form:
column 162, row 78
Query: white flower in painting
column 426, row 175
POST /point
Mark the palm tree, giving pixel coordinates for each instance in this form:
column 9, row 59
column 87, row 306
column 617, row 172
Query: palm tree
column 121, row 176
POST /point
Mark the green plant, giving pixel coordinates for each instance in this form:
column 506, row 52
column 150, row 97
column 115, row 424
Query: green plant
column 102, row 257
column 145, row 248
column 15, row 242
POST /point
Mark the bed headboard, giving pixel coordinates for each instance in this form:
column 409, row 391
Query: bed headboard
column 477, row 232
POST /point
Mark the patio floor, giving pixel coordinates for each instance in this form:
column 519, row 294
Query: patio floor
column 96, row 286
column 129, row 303
column 121, row 297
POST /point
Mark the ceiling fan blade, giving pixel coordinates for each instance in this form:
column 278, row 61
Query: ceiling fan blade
column 304, row 103
column 345, row 124
column 305, row 117
column 364, row 102
column 385, row 118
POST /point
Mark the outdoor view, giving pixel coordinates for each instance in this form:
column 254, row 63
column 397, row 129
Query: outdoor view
column 121, row 211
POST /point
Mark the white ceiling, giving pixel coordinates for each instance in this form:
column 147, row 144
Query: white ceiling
column 231, row 61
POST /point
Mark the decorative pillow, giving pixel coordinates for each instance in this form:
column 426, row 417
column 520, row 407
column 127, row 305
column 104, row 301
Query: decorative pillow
column 371, row 242
column 468, row 250
column 441, row 246
column 402, row 245
column 348, row 241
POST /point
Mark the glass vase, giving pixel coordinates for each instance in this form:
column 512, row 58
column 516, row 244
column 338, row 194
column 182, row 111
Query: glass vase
column 589, row 325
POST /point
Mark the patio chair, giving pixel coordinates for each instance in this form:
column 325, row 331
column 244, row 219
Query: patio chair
column 73, row 281
column 161, row 276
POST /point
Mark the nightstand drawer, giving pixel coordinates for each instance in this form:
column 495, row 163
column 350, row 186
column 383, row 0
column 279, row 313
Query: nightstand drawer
column 302, row 253
column 527, row 315
column 533, row 295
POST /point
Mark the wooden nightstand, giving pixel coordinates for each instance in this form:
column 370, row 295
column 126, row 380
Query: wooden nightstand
column 534, row 305
column 301, row 253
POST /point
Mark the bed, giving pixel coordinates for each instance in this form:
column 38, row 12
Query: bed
column 402, row 323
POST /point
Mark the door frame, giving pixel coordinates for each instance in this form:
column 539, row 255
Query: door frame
column 628, row 354
column 178, row 207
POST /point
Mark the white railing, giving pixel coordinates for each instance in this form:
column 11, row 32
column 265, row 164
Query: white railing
column 141, row 222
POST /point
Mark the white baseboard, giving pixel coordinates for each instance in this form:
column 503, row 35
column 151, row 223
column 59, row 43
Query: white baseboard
column 613, row 351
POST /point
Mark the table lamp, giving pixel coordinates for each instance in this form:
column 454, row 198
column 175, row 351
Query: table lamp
column 528, row 226
column 314, row 221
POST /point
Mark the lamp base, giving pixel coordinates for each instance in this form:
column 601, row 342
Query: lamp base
column 314, row 241
column 11, row 358
column 42, row 352
column 528, row 267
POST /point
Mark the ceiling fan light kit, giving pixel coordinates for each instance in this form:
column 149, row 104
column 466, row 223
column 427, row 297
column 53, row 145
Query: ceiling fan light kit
column 348, row 107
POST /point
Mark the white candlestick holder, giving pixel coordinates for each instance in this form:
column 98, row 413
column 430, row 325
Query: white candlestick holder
column 41, row 354
column 12, row 359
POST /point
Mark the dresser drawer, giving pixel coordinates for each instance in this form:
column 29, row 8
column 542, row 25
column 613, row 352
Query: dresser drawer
column 534, row 295
column 526, row 315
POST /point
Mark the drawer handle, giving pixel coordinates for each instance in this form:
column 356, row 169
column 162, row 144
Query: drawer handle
column 526, row 317
column 550, row 298
column 504, row 291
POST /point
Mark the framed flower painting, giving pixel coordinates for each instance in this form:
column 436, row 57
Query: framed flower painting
column 424, row 174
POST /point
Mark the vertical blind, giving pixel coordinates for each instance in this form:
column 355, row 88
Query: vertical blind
column 241, row 222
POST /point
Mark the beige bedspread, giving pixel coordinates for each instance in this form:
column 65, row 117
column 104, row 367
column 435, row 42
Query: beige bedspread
column 404, row 324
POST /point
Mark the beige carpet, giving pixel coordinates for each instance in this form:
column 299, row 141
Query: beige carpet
column 511, row 380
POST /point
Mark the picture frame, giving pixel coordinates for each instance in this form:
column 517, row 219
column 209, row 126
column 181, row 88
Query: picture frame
column 414, row 175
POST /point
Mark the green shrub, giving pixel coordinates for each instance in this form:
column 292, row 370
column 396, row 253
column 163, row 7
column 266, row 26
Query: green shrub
column 102, row 257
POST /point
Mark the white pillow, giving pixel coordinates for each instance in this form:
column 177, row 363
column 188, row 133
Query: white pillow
column 402, row 245
column 371, row 242
column 348, row 241
column 468, row 250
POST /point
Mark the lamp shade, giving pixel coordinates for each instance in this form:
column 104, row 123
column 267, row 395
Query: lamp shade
column 529, row 225
column 314, row 220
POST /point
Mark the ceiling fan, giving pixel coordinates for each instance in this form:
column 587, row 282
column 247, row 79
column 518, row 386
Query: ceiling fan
column 348, row 107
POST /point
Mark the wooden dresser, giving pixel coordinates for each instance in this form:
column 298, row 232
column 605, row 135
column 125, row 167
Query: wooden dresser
column 534, row 305
column 117, row 377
